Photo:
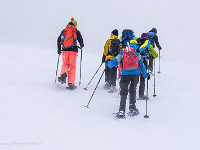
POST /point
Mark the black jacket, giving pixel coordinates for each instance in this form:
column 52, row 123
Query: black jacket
column 75, row 48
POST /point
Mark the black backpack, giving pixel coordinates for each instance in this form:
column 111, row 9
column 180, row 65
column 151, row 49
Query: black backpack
column 115, row 47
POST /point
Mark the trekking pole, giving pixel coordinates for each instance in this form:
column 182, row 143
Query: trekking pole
column 93, row 76
column 57, row 67
column 95, row 89
column 80, row 66
column 159, row 62
column 146, row 116
column 154, row 79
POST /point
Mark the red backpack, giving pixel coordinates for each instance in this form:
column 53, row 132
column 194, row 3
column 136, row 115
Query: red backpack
column 69, row 37
column 130, row 60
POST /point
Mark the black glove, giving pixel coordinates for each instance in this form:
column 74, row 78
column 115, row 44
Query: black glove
column 82, row 45
column 148, row 78
column 160, row 48
column 103, row 58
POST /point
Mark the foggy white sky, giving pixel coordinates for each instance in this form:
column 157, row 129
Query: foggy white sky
column 37, row 23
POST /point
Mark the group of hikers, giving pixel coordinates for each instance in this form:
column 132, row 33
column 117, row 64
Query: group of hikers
column 128, row 55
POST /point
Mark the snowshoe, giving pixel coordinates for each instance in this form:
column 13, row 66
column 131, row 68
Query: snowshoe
column 120, row 115
column 107, row 86
column 133, row 112
column 62, row 78
column 112, row 89
column 71, row 86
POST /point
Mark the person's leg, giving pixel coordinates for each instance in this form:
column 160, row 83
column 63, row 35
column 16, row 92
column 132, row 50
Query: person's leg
column 150, row 67
column 124, row 82
column 65, row 65
column 64, row 69
column 132, row 91
column 142, row 82
column 107, row 73
column 141, row 86
column 113, row 76
column 107, row 77
column 72, row 66
column 112, row 80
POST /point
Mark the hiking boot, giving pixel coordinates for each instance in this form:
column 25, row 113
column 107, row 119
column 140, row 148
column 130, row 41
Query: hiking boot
column 112, row 89
column 107, row 86
column 120, row 114
column 62, row 78
column 71, row 86
column 133, row 112
column 143, row 97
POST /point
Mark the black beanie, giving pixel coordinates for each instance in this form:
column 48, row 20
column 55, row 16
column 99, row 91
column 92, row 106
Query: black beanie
column 115, row 32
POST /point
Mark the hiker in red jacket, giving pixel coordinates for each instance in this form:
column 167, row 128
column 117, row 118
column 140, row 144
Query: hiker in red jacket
column 67, row 44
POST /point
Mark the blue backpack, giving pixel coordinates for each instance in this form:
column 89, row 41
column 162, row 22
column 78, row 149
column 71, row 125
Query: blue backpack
column 151, row 36
column 127, row 35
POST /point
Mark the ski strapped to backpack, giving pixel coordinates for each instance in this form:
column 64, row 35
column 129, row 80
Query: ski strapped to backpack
column 130, row 61
column 115, row 47
column 127, row 35
column 69, row 37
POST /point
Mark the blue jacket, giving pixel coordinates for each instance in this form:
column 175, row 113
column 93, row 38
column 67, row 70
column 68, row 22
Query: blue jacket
column 155, row 40
column 116, row 61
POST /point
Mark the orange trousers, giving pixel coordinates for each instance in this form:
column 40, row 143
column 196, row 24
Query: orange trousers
column 69, row 65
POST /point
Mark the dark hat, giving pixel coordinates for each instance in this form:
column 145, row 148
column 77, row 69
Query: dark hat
column 115, row 32
column 144, row 35
column 154, row 30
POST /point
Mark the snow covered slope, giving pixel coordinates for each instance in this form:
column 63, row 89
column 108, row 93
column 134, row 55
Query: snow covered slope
column 37, row 114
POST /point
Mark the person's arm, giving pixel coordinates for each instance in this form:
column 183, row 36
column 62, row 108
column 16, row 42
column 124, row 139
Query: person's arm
column 157, row 43
column 59, row 45
column 116, row 61
column 105, row 53
column 142, row 68
column 80, row 38
column 153, row 52
column 106, row 48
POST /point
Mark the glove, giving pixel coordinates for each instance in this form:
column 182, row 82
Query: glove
column 160, row 48
column 103, row 58
column 81, row 46
column 148, row 78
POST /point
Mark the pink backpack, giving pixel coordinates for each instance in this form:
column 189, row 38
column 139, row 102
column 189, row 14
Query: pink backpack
column 130, row 60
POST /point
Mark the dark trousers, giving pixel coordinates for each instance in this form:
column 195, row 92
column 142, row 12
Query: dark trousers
column 142, row 81
column 128, row 83
column 150, row 61
column 110, row 75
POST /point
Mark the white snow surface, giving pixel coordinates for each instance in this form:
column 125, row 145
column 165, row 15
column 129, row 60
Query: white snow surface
column 38, row 114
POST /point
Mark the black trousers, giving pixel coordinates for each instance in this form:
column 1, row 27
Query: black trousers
column 128, row 83
column 150, row 61
column 110, row 75
column 142, row 81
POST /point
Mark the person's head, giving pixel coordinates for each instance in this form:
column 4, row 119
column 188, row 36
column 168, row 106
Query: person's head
column 114, row 32
column 73, row 22
column 139, row 41
column 144, row 35
column 154, row 30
